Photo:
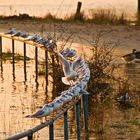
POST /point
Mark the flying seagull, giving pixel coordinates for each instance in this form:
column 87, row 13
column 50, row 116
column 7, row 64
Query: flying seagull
column 68, row 70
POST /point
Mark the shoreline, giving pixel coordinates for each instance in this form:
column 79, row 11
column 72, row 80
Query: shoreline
column 128, row 37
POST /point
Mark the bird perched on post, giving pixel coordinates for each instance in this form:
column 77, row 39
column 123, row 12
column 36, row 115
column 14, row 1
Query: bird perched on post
column 69, row 72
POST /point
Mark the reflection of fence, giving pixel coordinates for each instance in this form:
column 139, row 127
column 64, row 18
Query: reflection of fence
column 24, row 51
column 83, row 71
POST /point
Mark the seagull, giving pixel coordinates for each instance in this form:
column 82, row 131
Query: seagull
column 33, row 38
column 66, row 97
column 65, row 52
column 68, row 70
column 129, row 57
column 43, row 112
column 124, row 97
column 11, row 31
column 24, row 35
column 16, row 34
column 68, row 53
column 57, row 103
column 71, row 53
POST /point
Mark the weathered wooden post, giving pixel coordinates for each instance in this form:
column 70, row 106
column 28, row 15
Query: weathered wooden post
column 51, row 132
column 0, row 47
column 85, row 110
column 78, row 120
column 25, row 75
column 138, row 5
column 46, row 67
column 36, row 63
column 66, row 126
column 78, row 10
column 13, row 57
column 138, row 13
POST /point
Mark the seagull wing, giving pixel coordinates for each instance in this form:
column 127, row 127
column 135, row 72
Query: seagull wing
column 75, row 63
column 36, row 114
column 65, row 64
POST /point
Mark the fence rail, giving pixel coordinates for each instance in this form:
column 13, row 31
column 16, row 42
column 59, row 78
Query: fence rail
column 63, row 112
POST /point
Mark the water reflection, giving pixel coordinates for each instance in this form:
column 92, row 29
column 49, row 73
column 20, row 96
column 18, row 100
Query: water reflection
column 106, row 119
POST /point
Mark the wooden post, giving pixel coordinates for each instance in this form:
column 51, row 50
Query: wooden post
column 85, row 110
column 138, row 13
column 25, row 75
column 51, row 132
column 0, row 47
column 78, row 10
column 78, row 120
column 13, row 58
column 65, row 126
column 46, row 68
column 79, row 5
column 139, row 6
column 36, row 63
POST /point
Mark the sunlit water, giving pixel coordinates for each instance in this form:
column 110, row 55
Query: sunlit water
column 64, row 7
column 107, row 120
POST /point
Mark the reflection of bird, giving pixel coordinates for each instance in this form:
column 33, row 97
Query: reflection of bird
column 68, row 70
column 124, row 97
column 43, row 112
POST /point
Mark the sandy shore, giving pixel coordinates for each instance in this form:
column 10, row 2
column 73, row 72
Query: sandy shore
column 128, row 37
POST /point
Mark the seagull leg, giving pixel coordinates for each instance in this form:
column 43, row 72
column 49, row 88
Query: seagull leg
column 41, row 120
column 45, row 118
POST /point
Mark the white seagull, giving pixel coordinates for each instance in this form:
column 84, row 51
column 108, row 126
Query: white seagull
column 69, row 72
column 43, row 112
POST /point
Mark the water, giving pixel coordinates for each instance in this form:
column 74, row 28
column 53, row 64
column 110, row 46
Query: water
column 107, row 119
column 64, row 7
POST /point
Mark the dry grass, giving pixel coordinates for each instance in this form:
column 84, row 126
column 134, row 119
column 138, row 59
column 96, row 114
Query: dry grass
column 96, row 16
column 106, row 16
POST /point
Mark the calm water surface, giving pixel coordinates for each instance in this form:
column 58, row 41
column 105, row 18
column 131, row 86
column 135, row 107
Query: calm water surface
column 108, row 119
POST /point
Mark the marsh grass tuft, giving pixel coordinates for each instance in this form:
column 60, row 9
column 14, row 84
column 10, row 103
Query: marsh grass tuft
column 106, row 16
